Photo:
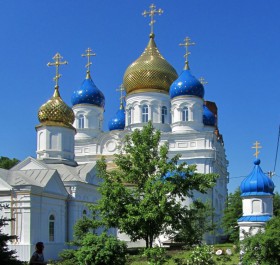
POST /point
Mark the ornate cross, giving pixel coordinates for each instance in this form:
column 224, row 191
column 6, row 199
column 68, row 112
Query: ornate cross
column 187, row 43
column 257, row 147
column 88, row 54
column 203, row 81
column 57, row 62
column 121, row 89
column 151, row 14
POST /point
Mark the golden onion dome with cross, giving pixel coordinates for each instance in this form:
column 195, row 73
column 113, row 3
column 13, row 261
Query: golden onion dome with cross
column 56, row 112
column 150, row 72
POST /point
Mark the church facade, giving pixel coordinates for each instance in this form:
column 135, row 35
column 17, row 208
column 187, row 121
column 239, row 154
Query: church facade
column 47, row 195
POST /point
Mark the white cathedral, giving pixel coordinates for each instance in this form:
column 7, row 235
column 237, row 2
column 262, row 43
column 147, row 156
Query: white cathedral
column 48, row 194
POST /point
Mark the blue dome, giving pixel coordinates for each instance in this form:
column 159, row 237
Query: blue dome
column 186, row 84
column 88, row 94
column 208, row 117
column 118, row 122
column 257, row 183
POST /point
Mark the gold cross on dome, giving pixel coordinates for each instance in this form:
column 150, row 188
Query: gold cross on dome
column 151, row 14
column 187, row 43
column 88, row 54
column 121, row 89
column 257, row 147
column 57, row 62
column 202, row 81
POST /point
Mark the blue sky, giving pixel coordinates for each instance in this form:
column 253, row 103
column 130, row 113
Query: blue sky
column 237, row 51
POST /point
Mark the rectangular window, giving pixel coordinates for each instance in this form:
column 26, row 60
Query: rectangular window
column 51, row 228
column 129, row 117
column 163, row 114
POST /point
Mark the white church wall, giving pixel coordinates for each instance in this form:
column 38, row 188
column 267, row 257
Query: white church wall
column 42, row 210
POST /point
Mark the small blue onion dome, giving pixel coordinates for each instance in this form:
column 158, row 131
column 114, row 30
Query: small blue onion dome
column 208, row 117
column 186, row 85
column 117, row 122
column 88, row 94
column 257, row 183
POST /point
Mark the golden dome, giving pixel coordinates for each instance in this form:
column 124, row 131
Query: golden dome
column 150, row 72
column 56, row 112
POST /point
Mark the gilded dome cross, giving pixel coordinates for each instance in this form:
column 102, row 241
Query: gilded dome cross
column 151, row 14
column 57, row 62
column 187, row 43
column 257, row 147
column 121, row 89
column 88, row 54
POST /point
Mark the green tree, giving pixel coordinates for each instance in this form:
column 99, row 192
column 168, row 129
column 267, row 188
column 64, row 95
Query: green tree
column 7, row 256
column 195, row 223
column 143, row 196
column 264, row 247
column 232, row 212
column 7, row 163
column 276, row 204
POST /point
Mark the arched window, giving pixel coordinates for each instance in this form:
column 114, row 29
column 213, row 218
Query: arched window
column 51, row 228
column 144, row 113
column 163, row 114
column 84, row 213
column 129, row 116
column 185, row 114
column 81, row 121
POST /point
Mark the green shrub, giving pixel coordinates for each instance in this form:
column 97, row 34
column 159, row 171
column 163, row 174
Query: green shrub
column 155, row 256
column 100, row 250
column 202, row 255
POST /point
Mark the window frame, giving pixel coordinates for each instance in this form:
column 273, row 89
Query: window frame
column 51, row 228
column 145, row 113
column 129, row 116
column 185, row 114
column 81, row 121
column 163, row 114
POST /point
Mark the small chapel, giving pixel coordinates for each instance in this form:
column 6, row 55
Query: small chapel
column 48, row 193
column 257, row 200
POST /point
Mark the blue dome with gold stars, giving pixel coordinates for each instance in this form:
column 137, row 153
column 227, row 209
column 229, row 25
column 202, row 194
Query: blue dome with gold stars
column 257, row 183
column 88, row 94
column 186, row 85
column 208, row 117
column 117, row 122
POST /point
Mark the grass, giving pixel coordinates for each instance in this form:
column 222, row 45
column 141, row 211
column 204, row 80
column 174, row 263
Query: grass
column 224, row 259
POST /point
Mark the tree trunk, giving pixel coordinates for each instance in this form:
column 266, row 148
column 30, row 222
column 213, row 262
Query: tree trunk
column 151, row 241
